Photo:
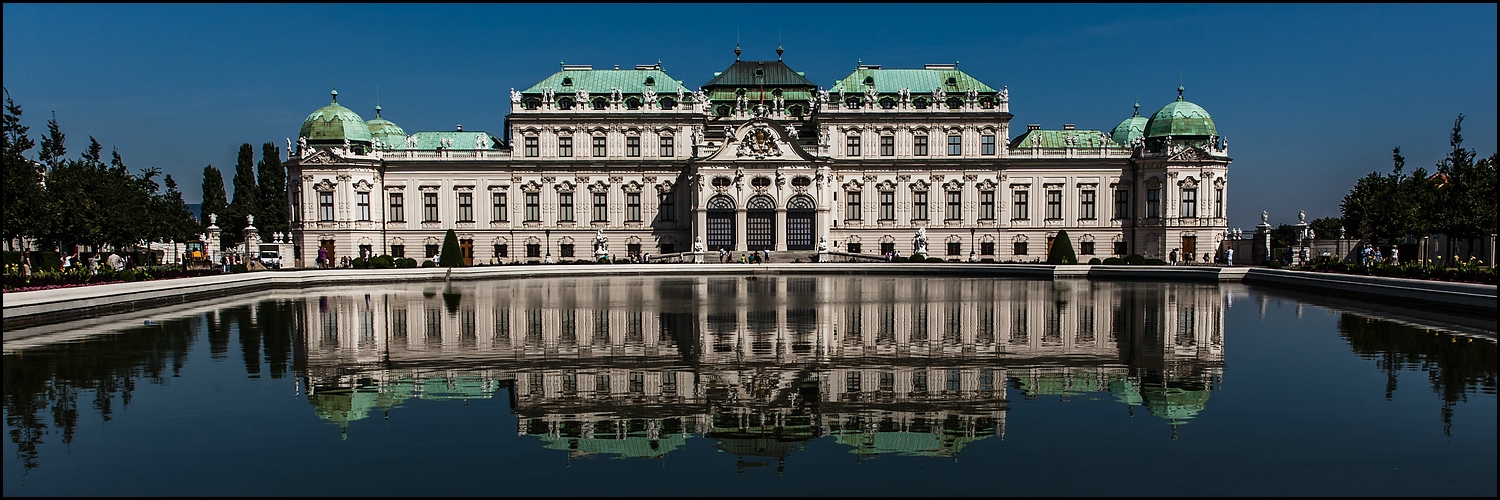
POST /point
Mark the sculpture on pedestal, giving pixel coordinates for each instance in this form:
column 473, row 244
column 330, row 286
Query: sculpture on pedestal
column 920, row 242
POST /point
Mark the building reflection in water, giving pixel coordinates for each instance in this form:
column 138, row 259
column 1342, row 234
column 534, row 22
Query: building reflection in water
column 635, row 367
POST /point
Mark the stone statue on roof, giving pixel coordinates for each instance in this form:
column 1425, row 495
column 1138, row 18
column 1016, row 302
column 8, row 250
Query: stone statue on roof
column 302, row 147
column 679, row 94
column 411, row 142
column 938, row 94
column 870, row 95
column 649, row 96
column 480, row 142
column 346, row 146
column 822, row 96
column 1264, row 217
column 1004, row 93
column 515, row 97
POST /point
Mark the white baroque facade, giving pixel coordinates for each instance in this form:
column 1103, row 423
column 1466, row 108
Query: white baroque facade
column 759, row 158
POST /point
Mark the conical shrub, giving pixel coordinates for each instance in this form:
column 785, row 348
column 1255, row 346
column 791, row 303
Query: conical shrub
column 451, row 256
column 1062, row 250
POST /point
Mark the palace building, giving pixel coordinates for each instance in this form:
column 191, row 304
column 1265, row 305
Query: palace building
column 758, row 158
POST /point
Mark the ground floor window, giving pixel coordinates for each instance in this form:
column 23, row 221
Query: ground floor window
column 987, row 248
column 533, row 250
column 398, row 250
column 1019, row 248
column 1086, row 248
column 566, row 249
column 887, row 248
column 432, row 251
column 955, row 248
column 852, row 247
column 502, row 250
column 1120, row 248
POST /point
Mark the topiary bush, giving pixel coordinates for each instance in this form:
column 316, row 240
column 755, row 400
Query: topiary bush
column 451, row 256
column 934, row 259
column 428, row 263
column 1095, row 261
column 382, row 262
column 1135, row 259
column 1062, row 250
column 1114, row 261
column 1155, row 262
column 360, row 263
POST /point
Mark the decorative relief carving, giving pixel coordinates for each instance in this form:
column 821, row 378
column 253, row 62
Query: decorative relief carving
column 323, row 185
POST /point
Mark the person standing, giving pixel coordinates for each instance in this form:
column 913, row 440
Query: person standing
column 1229, row 257
column 26, row 268
column 1172, row 257
column 1395, row 256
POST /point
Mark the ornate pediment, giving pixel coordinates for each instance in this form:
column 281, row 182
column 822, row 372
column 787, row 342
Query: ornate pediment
column 1189, row 154
column 758, row 140
column 323, row 185
column 320, row 157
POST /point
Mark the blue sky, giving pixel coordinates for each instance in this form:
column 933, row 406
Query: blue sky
column 1311, row 97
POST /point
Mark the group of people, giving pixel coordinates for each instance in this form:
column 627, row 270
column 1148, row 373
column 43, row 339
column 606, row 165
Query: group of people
column 753, row 257
column 113, row 260
column 1371, row 255
column 1187, row 258
column 324, row 262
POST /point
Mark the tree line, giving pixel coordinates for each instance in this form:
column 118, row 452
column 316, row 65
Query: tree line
column 57, row 202
column 1457, row 199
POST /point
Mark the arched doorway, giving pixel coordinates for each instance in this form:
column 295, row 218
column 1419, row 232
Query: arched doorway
column 799, row 222
column 760, row 223
column 720, row 230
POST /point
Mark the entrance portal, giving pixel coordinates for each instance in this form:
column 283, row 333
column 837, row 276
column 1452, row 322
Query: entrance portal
column 1189, row 247
column 466, row 248
column 720, row 223
column 760, row 223
column 799, row 223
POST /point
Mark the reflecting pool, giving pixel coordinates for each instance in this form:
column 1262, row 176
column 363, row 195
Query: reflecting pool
column 843, row 385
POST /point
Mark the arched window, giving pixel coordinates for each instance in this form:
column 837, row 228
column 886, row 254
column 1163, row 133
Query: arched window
column 919, row 103
column 668, row 103
column 761, row 202
column 720, row 202
column 722, row 110
column 565, row 103
column 801, row 202
column 532, row 103
column 852, row 103
column 801, row 181
column 795, row 110
column 887, row 102
column 632, row 103
column 955, row 103
column 760, row 182
column 721, row 182
column 600, row 103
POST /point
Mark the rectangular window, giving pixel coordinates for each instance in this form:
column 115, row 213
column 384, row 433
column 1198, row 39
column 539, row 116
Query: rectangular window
column 632, row 146
column 1120, row 248
column 398, row 207
column 919, row 205
column 601, row 207
column 887, row 205
column 1190, row 202
column 987, row 205
column 887, row 248
column 429, row 207
column 955, row 145
column 666, row 147
column 851, row 206
column 325, row 205
column 987, row 145
column 431, row 251
column 887, row 145
column 1018, row 248
column 1054, row 204
column 565, row 146
column 986, row 248
column 398, row 250
column 955, row 248
column 919, row 145
column 599, row 146
column 853, row 142
column 1086, row 205
column 955, row 205
column 363, row 203
column 533, row 250
column 1122, row 204
column 1153, row 203
column 633, row 207
column 500, row 206
column 533, row 207
column 532, row 150
column 566, row 249
column 668, row 209
column 851, row 247
column 565, row 207
column 465, row 207
column 1219, row 202
column 1085, row 248
column 502, row 250
column 1021, row 201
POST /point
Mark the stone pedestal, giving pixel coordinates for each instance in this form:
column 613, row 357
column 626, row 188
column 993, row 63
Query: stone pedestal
column 1262, row 248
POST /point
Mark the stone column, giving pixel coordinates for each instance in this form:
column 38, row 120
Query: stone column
column 252, row 240
column 740, row 231
column 781, row 229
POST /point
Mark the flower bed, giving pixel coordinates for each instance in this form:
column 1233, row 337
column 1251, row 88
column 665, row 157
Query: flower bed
column 76, row 277
column 1466, row 272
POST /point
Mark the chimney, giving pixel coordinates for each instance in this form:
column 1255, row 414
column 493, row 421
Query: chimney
column 1033, row 126
column 460, row 127
column 1067, row 126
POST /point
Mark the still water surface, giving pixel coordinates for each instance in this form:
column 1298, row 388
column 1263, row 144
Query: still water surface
column 775, row 385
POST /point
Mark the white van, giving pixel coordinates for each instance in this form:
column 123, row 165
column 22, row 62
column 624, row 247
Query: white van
column 270, row 256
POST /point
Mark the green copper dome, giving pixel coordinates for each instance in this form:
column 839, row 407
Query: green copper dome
column 386, row 132
column 1131, row 129
column 1180, row 119
column 335, row 123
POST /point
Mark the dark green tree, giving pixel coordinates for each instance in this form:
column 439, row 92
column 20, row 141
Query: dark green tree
column 1465, row 190
column 178, row 221
column 451, row 256
column 1062, row 250
column 214, row 199
column 92, row 154
column 245, row 199
column 1326, row 227
column 53, row 149
column 22, row 177
column 272, row 216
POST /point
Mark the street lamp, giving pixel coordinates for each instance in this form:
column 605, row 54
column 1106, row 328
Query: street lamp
column 971, row 244
column 548, row 259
